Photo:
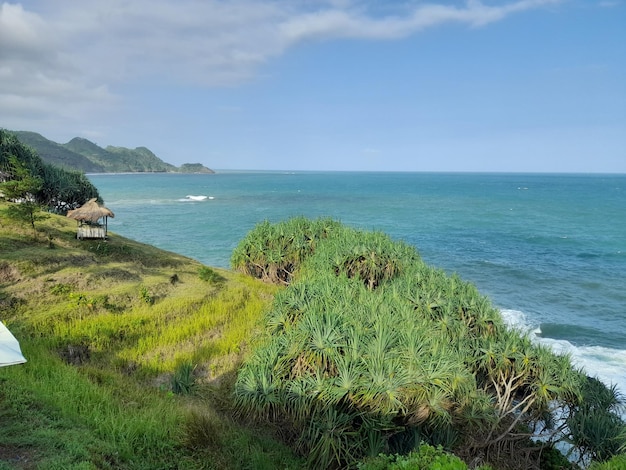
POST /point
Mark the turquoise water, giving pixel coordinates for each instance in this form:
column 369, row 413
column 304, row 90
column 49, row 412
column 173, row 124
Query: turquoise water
column 549, row 250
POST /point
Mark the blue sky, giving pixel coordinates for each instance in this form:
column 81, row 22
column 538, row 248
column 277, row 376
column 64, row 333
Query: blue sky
column 512, row 85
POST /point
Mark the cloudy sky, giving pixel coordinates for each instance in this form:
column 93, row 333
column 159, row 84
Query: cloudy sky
column 435, row 85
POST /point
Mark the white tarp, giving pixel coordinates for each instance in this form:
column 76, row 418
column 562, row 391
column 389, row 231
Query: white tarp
column 10, row 352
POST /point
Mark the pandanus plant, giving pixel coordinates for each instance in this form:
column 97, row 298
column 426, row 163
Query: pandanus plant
column 370, row 349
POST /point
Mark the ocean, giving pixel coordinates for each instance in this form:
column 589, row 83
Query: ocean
column 548, row 249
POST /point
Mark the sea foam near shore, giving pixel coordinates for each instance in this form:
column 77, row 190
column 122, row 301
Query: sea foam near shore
column 606, row 364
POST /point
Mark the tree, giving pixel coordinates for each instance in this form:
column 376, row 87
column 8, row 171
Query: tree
column 63, row 190
column 59, row 190
column 10, row 146
column 20, row 189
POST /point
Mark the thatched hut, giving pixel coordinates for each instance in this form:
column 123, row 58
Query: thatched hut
column 92, row 219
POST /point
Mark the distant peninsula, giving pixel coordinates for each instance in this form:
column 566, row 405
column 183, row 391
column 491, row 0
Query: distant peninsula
column 194, row 168
column 83, row 155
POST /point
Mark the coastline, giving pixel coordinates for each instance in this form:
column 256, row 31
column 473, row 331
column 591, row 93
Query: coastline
column 547, row 252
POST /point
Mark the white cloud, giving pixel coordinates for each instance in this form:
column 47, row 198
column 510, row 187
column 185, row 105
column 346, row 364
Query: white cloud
column 38, row 78
column 332, row 23
column 609, row 3
column 64, row 58
column 21, row 33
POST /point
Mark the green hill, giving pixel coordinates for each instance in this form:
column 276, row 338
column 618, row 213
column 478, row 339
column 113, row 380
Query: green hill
column 139, row 159
column 194, row 168
column 57, row 154
column 131, row 353
column 86, row 156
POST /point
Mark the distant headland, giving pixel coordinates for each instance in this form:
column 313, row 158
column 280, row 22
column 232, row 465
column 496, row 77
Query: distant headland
column 83, row 155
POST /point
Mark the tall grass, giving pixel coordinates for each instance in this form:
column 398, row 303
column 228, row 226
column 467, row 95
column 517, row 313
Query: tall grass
column 132, row 424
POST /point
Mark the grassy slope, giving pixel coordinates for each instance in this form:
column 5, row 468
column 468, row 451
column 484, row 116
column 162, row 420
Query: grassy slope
column 105, row 326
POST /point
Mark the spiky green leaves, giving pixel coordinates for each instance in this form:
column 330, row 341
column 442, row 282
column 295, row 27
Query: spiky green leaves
column 597, row 431
column 273, row 253
column 368, row 342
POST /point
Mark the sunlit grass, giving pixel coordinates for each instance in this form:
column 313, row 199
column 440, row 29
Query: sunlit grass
column 130, row 421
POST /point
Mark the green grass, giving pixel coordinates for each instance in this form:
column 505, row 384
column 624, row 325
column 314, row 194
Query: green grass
column 616, row 463
column 109, row 329
column 113, row 416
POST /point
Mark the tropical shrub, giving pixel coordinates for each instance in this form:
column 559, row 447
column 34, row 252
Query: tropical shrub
column 552, row 459
column 184, row 379
column 424, row 458
column 596, row 429
column 210, row 275
column 145, row 295
column 274, row 252
column 616, row 463
column 370, row 350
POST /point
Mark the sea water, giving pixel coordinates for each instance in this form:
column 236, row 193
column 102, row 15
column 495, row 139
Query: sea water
column 549, row 250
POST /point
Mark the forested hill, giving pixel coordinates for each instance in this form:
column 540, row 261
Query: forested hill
column 84, row 155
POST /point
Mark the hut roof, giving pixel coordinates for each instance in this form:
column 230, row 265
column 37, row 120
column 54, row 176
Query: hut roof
column 90, row 211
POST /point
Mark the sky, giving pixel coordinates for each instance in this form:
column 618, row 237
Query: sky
column 346, row 85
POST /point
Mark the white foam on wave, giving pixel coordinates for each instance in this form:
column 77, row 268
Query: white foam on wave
column 123, row 203
column 192, row 198
column 607, row 364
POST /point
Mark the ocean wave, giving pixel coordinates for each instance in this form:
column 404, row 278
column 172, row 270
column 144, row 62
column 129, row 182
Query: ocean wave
column 607, row 364
column 122, row 204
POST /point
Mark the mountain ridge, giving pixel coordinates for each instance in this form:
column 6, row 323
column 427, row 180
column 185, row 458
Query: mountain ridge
column 83, row 155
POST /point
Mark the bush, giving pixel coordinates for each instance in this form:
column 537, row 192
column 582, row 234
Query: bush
column 209, row 275
column 596, row 427
column 369, row 348
column 145, row 295
column 184, row 379
column 552, row 459
column 274, row 253
column 61, row 289
column 424, row 458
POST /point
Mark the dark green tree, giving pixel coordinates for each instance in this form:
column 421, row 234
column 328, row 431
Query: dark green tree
column 10, row 146
column 63, row 190
column 59, row 190
column 20, row 188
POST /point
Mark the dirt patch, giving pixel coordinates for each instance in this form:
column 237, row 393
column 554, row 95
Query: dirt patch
column 54, row 261
column 18, row 457
column 116, row 274
column 75, row 354
column 163, row 381
column 8, row 273
column 9, row 303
